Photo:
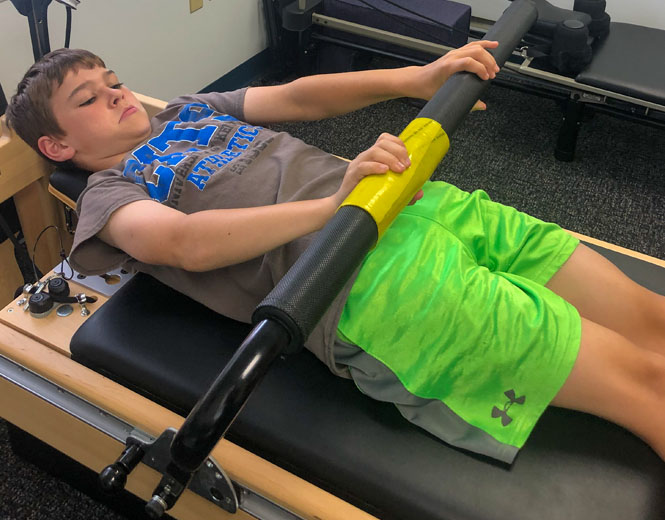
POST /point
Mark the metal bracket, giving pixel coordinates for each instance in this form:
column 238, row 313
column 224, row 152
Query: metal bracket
column 210, row 481
column 297, row 16
column 589, row 97
column 117, row 429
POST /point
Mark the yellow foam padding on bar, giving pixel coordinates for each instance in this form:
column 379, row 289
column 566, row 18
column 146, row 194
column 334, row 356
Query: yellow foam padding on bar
column 384, row 196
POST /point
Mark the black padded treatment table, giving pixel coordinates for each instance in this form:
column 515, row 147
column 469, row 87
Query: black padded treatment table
column 321, row 428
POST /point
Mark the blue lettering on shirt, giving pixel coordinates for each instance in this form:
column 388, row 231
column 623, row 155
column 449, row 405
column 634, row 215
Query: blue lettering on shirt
column 235, row 143
column 224, row 117
column 238, row 143
column 249, row 130
column 195, row 112
column 171, row 134
column 146, row 155
column 159, row 186
column 133, row 167
column 156, row 150
column 198, row 180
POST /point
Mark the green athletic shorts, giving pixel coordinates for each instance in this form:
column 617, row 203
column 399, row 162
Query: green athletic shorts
column 451, row 304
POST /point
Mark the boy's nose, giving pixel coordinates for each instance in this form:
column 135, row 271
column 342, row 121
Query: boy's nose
column 116, row 96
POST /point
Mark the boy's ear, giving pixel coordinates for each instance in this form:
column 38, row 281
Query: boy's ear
column 55, row 149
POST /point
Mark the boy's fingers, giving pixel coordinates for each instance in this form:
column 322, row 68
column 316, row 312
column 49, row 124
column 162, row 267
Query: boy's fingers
column 366, row 168
column 483, row 65
column 392, row 154
column 483, row 44
column 477, row 51
column 488, row 61
column 469, row 64
column 395, row 146
column 487, row 44
column 385, row 137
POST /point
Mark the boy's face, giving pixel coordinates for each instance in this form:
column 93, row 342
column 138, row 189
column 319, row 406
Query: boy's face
column 101, row 118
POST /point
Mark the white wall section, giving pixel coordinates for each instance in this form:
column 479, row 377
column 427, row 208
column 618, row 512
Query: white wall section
column 157, row 47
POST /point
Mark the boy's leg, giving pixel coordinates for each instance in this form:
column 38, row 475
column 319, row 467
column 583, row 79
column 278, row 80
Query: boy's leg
column 615, row 379
column 604, row 295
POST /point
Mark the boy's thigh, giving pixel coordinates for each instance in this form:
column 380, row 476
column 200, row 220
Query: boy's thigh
column 616, row 379
column 602, row 293
column 453, row 330
column 499, row 237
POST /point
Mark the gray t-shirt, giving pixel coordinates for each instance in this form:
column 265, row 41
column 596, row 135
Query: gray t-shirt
column 202, row 156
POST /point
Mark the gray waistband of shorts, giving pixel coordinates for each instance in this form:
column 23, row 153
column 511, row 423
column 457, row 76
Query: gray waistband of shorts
column 377, row 381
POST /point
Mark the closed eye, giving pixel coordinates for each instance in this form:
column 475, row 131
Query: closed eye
column 92, row 99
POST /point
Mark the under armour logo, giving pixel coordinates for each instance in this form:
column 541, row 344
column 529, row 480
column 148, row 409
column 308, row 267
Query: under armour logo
column 512, row 399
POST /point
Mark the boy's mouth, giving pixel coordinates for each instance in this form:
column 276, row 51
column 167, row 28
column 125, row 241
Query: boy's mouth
column 128, row 112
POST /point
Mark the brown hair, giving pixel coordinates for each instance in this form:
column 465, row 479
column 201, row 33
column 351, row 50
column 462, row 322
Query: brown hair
column 29, row 112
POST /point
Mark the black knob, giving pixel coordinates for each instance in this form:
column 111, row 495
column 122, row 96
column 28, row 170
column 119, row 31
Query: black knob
column 113, row 478
column 40, row 304
column 58, row 287
column 573, row 24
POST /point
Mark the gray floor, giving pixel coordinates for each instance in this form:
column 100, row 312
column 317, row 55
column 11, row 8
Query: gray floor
column 614, row 191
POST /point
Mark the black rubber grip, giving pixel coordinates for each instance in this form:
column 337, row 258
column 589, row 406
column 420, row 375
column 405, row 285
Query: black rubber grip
column 455, row 99
column 302, row 296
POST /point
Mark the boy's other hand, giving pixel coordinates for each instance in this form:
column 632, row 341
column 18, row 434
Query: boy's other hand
column 389, row 153
column 472, row 57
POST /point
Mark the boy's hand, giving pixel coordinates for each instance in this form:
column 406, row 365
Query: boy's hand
column 388, row 153
column 472, row 57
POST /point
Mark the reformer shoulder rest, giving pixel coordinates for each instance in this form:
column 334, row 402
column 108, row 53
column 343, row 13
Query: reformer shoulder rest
column 323, row 429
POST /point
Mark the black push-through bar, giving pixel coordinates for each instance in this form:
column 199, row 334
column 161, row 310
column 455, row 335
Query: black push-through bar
column 289, row 313
column 301, row 298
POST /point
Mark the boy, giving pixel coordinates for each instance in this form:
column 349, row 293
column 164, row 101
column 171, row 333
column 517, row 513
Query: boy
column 505, row 314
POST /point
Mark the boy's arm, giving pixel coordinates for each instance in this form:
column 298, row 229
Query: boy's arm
column 326, row 95
column 156, row 234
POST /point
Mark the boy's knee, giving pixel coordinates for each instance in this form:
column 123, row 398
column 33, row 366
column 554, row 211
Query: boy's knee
column 623, row 367
column 650, row 374
column 653, row 311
